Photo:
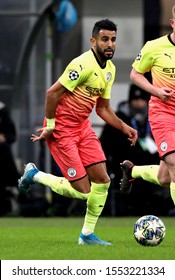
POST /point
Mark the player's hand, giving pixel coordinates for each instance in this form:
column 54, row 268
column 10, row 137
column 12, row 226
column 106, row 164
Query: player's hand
column 131, row 133
column 165, row 94
column 44, row 134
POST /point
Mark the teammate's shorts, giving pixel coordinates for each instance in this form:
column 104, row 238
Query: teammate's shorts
column 163, row 130
column 74, row 149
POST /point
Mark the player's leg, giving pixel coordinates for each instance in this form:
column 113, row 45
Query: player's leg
column 164, row 175
column 95, row 199
column 100, row 183
column 93, row 158
column 59, row 185
column 66, row 155
column 156, row 174
column 170, row 162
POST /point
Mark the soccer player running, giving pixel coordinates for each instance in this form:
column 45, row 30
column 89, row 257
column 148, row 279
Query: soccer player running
column 86, row 82
column 157, row 56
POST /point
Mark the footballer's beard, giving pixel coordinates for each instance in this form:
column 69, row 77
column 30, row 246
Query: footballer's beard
column 104, row 56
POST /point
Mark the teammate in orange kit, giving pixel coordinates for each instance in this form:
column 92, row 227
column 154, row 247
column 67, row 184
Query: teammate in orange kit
column 157, row 56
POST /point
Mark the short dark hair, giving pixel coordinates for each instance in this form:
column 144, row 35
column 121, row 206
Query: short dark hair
column 103, row 24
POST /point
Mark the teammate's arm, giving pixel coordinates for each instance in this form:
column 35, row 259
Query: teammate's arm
column 140, row 80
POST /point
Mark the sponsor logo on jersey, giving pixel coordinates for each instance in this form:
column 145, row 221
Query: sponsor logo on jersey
column 94, row 91
column 169, row 70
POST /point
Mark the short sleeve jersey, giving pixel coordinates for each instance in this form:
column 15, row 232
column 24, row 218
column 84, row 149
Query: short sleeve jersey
column 158, row 56
column 85, row 82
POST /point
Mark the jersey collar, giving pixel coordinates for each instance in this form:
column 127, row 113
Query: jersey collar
column 169, row 38
column 98, row 60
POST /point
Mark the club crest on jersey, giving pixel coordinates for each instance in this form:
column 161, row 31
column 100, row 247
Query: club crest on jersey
column 71, row 172
column 108, row 76
column 73, row 75
column 163, row 146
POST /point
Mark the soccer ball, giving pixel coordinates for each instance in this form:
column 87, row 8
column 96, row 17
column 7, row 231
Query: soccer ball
column 149, row 230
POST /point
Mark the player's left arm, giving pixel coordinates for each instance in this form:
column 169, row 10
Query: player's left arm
column 104, row 111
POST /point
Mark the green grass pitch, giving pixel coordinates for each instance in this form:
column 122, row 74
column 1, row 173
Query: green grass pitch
column 56, row 239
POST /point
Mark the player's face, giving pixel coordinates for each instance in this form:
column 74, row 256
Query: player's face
column 104, row 45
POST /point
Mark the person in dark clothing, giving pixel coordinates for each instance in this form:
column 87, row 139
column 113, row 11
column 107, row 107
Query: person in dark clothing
column 7, row 163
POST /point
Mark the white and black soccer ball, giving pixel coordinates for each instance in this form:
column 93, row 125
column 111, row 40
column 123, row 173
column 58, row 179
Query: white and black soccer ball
column 149, row 230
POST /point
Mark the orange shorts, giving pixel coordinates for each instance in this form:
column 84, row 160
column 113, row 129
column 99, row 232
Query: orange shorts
column 74, row 149
column 163, row 131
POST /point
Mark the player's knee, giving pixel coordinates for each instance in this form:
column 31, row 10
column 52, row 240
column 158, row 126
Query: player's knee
column 106, row 182
column 82, row 186
column 164, row 181
column 85, row 189
column 101, row 179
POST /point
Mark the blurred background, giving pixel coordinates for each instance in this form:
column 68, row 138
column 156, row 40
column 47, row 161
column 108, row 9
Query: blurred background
column 35, row 47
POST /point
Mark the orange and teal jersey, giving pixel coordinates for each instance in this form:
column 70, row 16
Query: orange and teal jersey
column 85, row 81
column 158, row 56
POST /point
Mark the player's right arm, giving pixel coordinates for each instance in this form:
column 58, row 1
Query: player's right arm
column 143, row 63
column 52, row 98
column 140, row 80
